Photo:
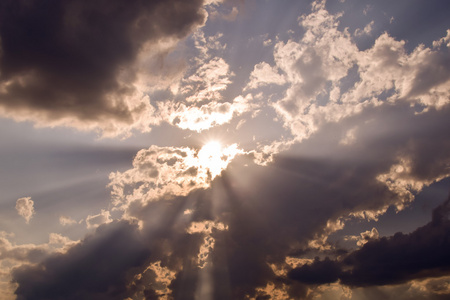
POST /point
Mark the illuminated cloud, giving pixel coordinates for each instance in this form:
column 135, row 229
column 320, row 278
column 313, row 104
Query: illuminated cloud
column 264, row 74
column 364, row 237
column 317, row 67
column 25, row 208
column 198, row 103
column 205, row 227
column 13, row 256
column 66, row 221
column 96, row 220
column 168, row 171
column 208, row 115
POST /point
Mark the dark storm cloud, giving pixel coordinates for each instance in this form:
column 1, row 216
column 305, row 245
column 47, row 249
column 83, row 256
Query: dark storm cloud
column 318, row 272
column 74, row 59
column 389, row 260
column 112, row 262
column 402, row 257
column 96, row 268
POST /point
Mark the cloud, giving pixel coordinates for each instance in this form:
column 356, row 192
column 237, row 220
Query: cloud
column 289, row 207
column 25, row 208
column 389, row 260
column 73, row 63
column 14, row 256
column 318, row 272
column 248, row 230
column 66, row 221
column 208, row 115
column 23, row 253
column 123, row 259
column 327, row 78
column 366, row 31
column 95, row 268
column 271, row 213
column 364, row 237
column 198, row 103
column 167, row 171
column 264, row 74
column 95, row 220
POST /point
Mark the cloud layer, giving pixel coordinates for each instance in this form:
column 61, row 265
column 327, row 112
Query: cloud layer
column 361, row 132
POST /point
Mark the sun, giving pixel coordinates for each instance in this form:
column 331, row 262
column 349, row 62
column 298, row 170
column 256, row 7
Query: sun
column 213, row 157
column 210, row 157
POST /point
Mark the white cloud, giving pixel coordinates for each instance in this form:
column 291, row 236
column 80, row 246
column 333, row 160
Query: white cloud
column 366, row 31
column 264, row 74
column 66, row 221
column 198, row 102
column 207, row 115
column 25, row 208
column 208, row 81
column 317, row 65
column 165, row 171
column 93, row 221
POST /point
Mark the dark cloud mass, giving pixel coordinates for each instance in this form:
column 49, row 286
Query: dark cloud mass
column 318, row 272
column 389, row 260
column 98, row 268
column 72, row 61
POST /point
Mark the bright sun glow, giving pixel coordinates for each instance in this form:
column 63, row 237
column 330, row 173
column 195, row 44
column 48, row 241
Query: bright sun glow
column 210, row 156
column 215, row 157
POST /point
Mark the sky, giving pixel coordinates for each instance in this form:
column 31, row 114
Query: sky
column 224, row 149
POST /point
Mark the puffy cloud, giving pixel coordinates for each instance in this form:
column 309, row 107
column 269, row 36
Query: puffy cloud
column 73, row 63
column 328, row 78
column 168, row 171
column 208, row 80
column 93, row 221
column 198, row 103
column 25, row 208
column 264, row 74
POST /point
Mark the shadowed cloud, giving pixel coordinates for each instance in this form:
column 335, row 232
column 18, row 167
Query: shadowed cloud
column 72, row 62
